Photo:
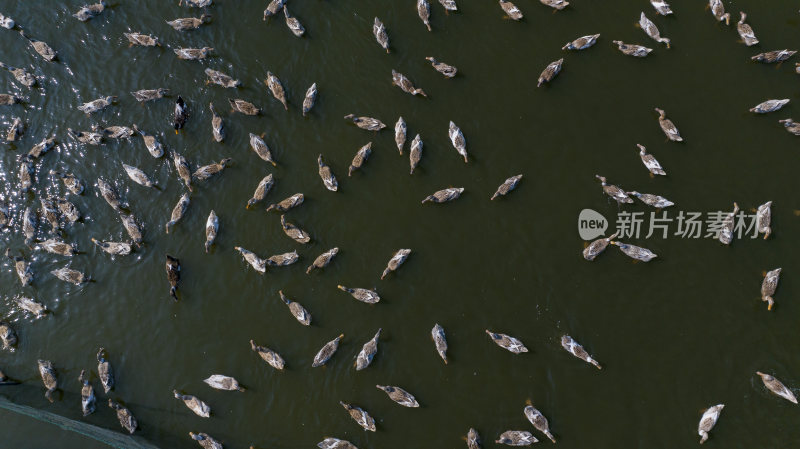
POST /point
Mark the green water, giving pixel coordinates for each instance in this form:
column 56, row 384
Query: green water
column 674, row 336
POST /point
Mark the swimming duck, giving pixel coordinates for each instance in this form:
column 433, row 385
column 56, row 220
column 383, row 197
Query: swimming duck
column 88, row 400
column 24, row 78
column 335, row 443
column 661, row 7
column 439, row 340
column 361, row 294
column 205, row 441
column 22, row 267
column 763, row 219
column 635, row 252
column 294, row 25
column 791, row 126
column 773, row 56
column 144, row 40
column 581, row 43
column 632, row 49
column 650, row 161
column 132, row 228
column 445, row 69
column 114, row 248
column 368, row 123
column 40, row 47
column 360, row 416
column 507, row 342
column 550, row 72
column 173, row 267
column 217, row 127
column 8, row 99
column 380, row 34
column 262, row 150
column 473, row 439
column 669, row 128
column 746, row 31
column 401, row 81
column 26, row 172
column 769, row 106
column 287, row 204
column 449, row 5
column 516, row 438
column 298, row 311
column 194, row 404
column 399, row 395
column 458, row 140
column 225, row 383
column 577, row 350
column 538, row 420
column 118, row 132
column 400, row 130
column 29, row 223
column 137, row 175
column 87, row 137
column 180, row 115
column 598, row 246
column 53, row 246
column 207, row 171
column 361, row 156
column 424, row 12
column 327, row 175
column 726, row 233
column 104, row 371
column 6, row 22
column 182, row 167
column 445, row 195
column 125, row 417
column 652, row 30
column 507, row 186
column 718, row 9
column 777, row 387
column 48, row 374
column 708, row 420
column 212, row 227
column 88, row 11
column 244, row 107
column 276, row 88
column 659, row 202
column 189, row 23
column 326, row 352
column 149, row 94
column 221, row 79
column 367, row 352
column 769, row 285
column 72, row 183
column 250, row 257
column 7, row 335
column 273, row 8
column 193, row 54
column 50, row 213
column 558, row 5
column 323, row 259
column 110, row 194
column 153, row 146
column 268, row 355
column 511, row 10
column 178, row 211
column 69, row 275
column 263, row 188
column 394, row 263
column 16, row 130
column 282, row 260
column 35, row 308
column 196, row 3
column 310, row 98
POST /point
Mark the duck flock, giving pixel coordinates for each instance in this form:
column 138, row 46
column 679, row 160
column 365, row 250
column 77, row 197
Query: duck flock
column 53, row 216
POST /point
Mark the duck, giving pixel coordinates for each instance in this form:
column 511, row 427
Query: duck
column 769, row 106
column 261, row 149
column 726, row 233
column 294, row 233
column 637, row 51
column 773, row 56
column 538, row 420
column 400, row 131
column 416, row 153
column 507, row 342
column 335, row 443
column 189, row 23
column 205, row 441
column 196, row 3
column 268, row 355
column 221, row 79
column 439, row 340
column 669, row 128
column 361, row 156
column 449, row 5
column 550, row 72
column 225, row 383
column 153, row 146
column 193, row 54
column 309, row 99
column 217, row 126
column 379, row 30
column 424, row 12
column 558, row 5
column 276, row 88
column 118, row 132
column 516, row 438
column 208, row 171
column 323, row 259
column 769, row 285
column 635, row 252
column 29, row 224
column 88, row 399
column 746, row 31
column 445, row 195
column 763, row 219
column 69, row 275
column 21, row 75
column 22, row 267
column 124, row 416
column 511, row 10
column 718, row 9
column 405, row 84
column 143, row 40
column 146, row 95
column 661, row 7
column 652, row 30
column 44, row 50
column 327, row 352
column 368, row 123
column 71, row 182
column 574, row 348
column 9, row 99
column 137, row 175
column 194, row 404
column 273, row 8
column 132, row 228
column 294, row 25
column 361, row 294
column 180, row 115
column 105, row 371
column 458, row 140
column 507, row 186
column 87, row 137
column 49, row 379
column 298, row 311
column 659, row 202
column 182, row 167
column 396, row 261
column 777, row 387
column 15, row 130
column 399, row 395
column 173, row 267
column 244, row 107
column 113, row 248
column 26, row 173
column 7, row 335
column 50, row 213
column 708, row 420
column 37, row 309
column 4, row 216
column 54, row 246
column 581, row 43
column 327, row 176
column 282, row 260
column 7, row 22
column 361, row 417
column 250, row 257
column 447, row 70
column 178, row 211
column 791, row 126
column 89, row 11
column 288, row 203
column 212, row 227
column 473, row 439
column 367, row 353
column 650, row 161
column 595, row 248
